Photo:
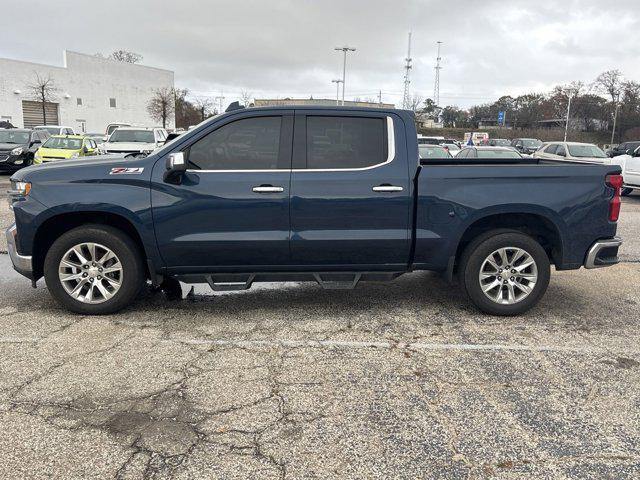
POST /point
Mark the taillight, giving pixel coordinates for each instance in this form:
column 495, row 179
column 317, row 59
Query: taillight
column 615, row 182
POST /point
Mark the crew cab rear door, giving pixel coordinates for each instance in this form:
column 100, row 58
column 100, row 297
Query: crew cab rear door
column 231, row 208
column 350, row 191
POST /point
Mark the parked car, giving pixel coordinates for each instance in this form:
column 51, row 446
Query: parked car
column 573, row 152
column 56, row 129
column 477, row 138
column 427, row 152
column 485, row 152
column 630, row 164
column 424, row 140
column 63, row 147
column 18, row 147
column 626, row 148
column 526, row 145
column 112, row 128
column 99, row 139
column 498, row 142
column 341, row 198
column 134, row 141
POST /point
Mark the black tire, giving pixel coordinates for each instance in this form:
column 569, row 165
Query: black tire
column 625, row 191
column 130, row 256
column 478, row 250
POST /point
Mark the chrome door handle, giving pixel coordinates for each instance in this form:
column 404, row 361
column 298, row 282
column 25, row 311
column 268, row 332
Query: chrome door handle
column 387, row 188
column 267, row 189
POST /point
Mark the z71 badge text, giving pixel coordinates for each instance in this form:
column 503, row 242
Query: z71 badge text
column 126, row 171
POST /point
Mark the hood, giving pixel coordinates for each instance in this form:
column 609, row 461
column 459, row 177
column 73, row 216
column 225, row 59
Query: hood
column 108, row 161
column 11, row 146
column 56, row 152
column 132, row 146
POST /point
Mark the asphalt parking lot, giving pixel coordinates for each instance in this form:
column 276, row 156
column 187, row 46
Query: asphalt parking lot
column 404, row 380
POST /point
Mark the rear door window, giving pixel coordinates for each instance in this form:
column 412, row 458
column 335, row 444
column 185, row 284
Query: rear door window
column 345, row 142
column 561, row 150
column 551, row 149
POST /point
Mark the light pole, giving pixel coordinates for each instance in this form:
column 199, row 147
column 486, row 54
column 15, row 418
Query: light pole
column 566, row 125
column 337, row 82
column 344, row 65
column 615, row 117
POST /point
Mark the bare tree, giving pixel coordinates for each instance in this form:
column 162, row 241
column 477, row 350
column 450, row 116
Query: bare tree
column 125, row 56
column 415, row 102
column 43, row 90
column 162, row 105
column 203, row 106
column 610, row 82
column 245, row 98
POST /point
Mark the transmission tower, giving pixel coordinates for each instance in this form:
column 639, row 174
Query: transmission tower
column 436, row 86
column 406, row 101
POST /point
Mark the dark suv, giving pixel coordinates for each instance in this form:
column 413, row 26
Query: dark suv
column 18, row 146
column 626, row 148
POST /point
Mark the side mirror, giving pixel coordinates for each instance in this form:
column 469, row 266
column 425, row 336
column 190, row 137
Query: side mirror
column 175, row 165
column 36, row 142
column 85, row 149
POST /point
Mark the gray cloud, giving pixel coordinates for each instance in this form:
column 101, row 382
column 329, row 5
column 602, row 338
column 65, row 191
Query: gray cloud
column 285, row 47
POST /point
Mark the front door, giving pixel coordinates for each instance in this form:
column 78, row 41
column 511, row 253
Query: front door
column 231, row 210
column 350, row 192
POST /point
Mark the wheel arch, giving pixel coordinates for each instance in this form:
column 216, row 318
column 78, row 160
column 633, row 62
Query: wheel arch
column 535, row 224
column 51, row 229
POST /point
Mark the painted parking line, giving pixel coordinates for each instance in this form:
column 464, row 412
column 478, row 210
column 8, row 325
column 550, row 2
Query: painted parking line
column 400, row 345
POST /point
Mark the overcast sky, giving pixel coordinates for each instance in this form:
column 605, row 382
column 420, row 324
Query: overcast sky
column 284, row 48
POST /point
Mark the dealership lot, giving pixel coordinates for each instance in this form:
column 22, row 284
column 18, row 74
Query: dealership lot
column 403, row 380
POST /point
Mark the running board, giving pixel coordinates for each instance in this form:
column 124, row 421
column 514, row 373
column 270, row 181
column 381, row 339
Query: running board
column 345, row 283
column 229, row 286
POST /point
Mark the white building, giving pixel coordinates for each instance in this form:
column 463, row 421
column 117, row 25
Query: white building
column 91, row 92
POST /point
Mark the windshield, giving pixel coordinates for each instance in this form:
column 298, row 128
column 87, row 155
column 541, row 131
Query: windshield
column 531, row 143
column 433, row 152
column 590, row 151
column 134, row 136
column 63, row 143
column 11, row 136
column 51, row 130
column 498, row 154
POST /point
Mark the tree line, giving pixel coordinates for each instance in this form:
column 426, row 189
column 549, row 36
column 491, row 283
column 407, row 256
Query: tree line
column 593, row 107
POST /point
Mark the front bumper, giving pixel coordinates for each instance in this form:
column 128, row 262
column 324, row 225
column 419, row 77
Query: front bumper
column 603, row 253
column 21, row 263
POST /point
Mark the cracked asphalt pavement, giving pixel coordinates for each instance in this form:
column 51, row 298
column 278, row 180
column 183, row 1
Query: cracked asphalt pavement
column 288, row 381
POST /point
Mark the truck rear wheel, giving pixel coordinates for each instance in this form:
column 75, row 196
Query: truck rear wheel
column 505, row 272
column 94, row 269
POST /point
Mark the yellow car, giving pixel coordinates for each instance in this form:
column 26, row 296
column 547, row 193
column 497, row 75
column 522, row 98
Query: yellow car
column 62, row 147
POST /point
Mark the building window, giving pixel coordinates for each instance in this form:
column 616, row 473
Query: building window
column 112, row 102
column 79, row 101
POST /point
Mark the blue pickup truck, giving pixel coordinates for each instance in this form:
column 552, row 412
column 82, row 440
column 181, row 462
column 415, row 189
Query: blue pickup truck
column 332, row 195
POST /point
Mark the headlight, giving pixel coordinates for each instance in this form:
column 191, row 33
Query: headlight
column 75, row 155
column 17, row 151
column 18, row 191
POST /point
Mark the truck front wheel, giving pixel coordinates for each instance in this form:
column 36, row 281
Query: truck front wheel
column 94, row 269
column 505, row 272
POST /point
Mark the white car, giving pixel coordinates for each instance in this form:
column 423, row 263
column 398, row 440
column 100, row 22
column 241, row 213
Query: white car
column 573, row 152
column 630, row 165
column 135, row 141
column 56, row 129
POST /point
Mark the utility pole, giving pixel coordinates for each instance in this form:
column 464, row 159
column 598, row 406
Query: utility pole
column 337, row 82
column 436, row 86
column 615, row 117
column 380, row 98
column 566, row 125
column 220, row 99
column 344, row 65
column 406, row 101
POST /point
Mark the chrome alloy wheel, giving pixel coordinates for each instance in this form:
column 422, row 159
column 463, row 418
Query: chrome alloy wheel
column 508, row 275
column 90, row 273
